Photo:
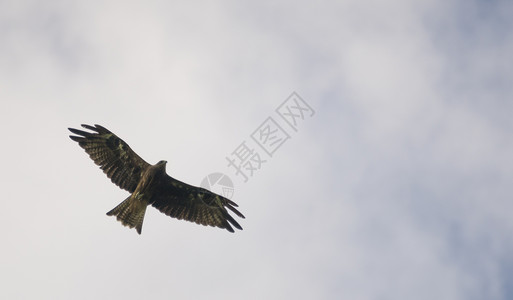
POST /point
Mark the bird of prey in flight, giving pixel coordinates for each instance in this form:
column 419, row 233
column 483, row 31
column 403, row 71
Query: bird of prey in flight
column 150, row 185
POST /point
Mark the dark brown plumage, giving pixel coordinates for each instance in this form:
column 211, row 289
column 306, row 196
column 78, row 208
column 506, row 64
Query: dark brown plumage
column 150, row 185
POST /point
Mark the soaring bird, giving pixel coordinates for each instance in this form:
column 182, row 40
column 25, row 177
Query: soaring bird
column 150, row 185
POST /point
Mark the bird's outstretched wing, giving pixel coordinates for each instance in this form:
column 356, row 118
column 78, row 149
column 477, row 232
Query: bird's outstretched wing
column 121, row 164
column 185, row 202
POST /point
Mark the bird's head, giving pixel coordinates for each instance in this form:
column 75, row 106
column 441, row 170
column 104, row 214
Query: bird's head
column 162, row 164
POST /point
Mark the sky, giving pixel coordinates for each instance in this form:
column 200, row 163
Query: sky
column 394, row 183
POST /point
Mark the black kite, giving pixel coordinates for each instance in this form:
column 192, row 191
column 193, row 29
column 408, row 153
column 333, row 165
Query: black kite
column 149, row 184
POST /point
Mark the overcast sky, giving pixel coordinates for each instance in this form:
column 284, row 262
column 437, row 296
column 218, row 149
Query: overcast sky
column 396, row 184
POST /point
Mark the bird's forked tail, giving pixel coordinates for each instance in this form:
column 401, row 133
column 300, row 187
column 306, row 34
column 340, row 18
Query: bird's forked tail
column 130, row 212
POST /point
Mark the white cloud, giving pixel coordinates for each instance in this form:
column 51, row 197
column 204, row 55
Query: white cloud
column 398, row 186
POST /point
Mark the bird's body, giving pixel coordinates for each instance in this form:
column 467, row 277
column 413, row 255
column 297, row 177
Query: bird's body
column 131, row 211
column 150, row 185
